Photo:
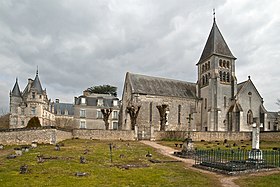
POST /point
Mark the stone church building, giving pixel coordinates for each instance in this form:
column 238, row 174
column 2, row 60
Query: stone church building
column 216, row 102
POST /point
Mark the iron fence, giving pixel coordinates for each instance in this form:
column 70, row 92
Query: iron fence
column 238, row 160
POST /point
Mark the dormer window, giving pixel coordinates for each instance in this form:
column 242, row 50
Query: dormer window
column 115, row 102
column 83, row 100
column 100, row 102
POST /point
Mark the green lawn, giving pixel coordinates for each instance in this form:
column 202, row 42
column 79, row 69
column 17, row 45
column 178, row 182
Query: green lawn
column 60, row 172
column 272, row 180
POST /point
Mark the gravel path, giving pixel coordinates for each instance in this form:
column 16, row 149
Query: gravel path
column 168, row 151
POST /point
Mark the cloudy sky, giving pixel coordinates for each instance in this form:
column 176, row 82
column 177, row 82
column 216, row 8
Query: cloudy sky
column 77, row 44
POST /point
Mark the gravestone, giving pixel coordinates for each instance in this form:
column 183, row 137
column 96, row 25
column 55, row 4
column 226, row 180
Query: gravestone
column 57, row 147
column 18, row 151
column 255, row 153
column 23, row 169
column 34, row 144
column 1, row 146
column 82, row 160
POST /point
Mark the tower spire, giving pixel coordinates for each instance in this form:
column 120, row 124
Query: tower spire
column 214, row 15
column 37, row 71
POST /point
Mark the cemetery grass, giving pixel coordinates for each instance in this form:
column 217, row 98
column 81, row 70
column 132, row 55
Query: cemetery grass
column 101, row 172
column 259, row 180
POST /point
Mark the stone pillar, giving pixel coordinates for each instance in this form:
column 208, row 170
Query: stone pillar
column 152, row 138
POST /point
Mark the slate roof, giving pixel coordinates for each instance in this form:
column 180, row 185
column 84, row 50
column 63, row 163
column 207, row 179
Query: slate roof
column 215, row 45
column 143, row 84
column 37, row 84
column 272, row 115
column 240, row 85
column 92, row 99
column 62, row 107
column 16, row 90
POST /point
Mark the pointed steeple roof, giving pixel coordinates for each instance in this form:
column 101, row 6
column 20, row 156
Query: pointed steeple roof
column 37, row 84
column 16, row 90
column 215, row 45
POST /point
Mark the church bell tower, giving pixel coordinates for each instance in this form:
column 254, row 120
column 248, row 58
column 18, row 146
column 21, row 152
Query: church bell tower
column 217, row 84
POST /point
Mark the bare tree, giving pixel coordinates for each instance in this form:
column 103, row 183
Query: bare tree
column 133, row 113
column 106, row 114
column 66, row 123
column 163, row 116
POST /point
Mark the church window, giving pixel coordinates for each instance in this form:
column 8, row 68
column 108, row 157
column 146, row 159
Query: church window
column 203, row 68
column 206, row 79
column 249, row 117
column 203, row 80
column 224, row 63
column 205, row 103
column 268, row 125
column 220, row 63
column 224, row 76
column 225, row 101
column 179, row 114
column 221, row 76
column 33, row 95
column 208, row 64
column 227, row 64
column 228, row 80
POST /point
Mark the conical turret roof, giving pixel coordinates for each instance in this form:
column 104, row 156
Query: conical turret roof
column 16, row 90
column 37, row 84
column 215, row 45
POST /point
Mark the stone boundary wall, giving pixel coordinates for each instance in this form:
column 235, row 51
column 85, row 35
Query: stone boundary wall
column 270, row 136
column 207, row 136
column 103, row 134
column 24, row 137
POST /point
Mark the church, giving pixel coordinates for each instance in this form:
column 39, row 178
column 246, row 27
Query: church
column 216, row 102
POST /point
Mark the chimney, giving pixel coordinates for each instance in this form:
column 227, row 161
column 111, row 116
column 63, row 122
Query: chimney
column 86, row 93
column 56, row 100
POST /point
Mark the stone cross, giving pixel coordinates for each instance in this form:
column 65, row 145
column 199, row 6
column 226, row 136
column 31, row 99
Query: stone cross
column 189, row 123
column 255, row 137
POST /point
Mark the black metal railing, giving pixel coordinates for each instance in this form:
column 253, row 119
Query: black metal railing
column 238, row 160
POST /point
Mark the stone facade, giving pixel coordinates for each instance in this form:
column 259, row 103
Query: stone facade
column 216, row 102
column 31, row 102
column 87, row 111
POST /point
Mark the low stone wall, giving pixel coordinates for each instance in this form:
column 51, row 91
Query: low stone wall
column 207, row 136
column 103, row 134
column 270, row 136
column 27, row 136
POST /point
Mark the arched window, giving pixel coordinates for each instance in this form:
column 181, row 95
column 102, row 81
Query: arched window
column 228, row 80
column 206, row 79
column 220, row 63
column 224, row 76
column 227, row 64
column 225, row 101
column 208, row 65
column 221, row 76
column 203, row 68
column 203, row 80
column 209, row 76
column 250, row 117
column 205, row 103
column 224, row 63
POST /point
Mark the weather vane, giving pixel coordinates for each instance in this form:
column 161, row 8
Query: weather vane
column 214, row 13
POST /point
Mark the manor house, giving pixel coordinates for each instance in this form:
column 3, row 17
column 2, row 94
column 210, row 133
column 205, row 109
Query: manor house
column 216, row 102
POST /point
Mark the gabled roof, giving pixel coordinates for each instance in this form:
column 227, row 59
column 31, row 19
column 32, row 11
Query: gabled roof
column 37, row 84
column 242, row 86
column 16, row 90
column 142, row 84
column 215, row 45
